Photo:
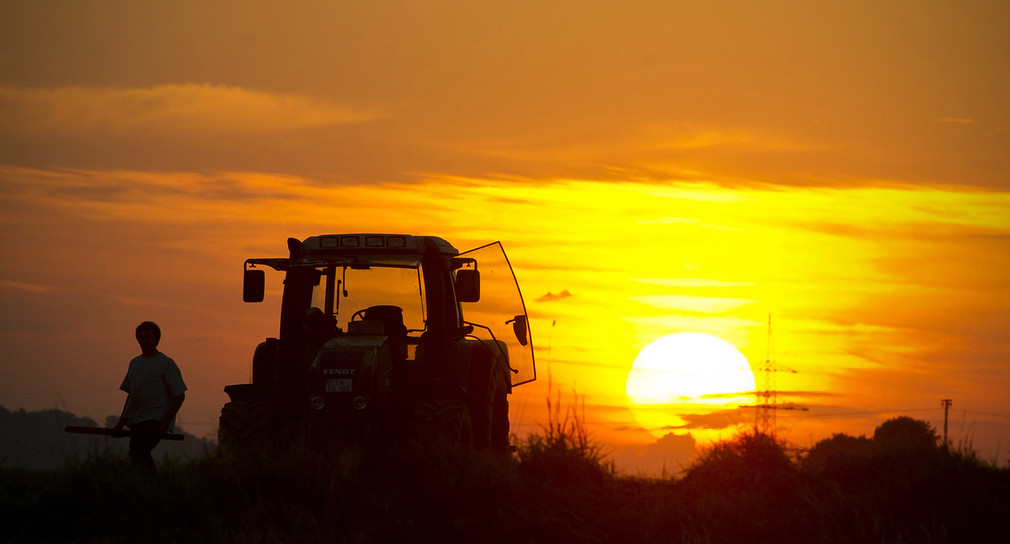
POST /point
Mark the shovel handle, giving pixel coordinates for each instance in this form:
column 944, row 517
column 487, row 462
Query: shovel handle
column 110, row 432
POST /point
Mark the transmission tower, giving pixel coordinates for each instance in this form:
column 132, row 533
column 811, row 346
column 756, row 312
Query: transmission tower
column 764, row 419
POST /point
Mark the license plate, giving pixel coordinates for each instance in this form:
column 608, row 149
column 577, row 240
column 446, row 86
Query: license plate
column 337, row 385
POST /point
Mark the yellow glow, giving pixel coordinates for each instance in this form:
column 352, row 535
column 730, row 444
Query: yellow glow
column 863, row 282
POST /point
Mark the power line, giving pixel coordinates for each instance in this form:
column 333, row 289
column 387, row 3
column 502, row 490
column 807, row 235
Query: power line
column 1005, row 416
column 871, row 412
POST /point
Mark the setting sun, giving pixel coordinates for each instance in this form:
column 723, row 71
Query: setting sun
column 689, row 368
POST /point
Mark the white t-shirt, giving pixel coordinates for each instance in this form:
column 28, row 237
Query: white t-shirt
column 151, row 382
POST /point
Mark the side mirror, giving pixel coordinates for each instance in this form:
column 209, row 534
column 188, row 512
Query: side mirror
column 253, row 282
column 468, row 285
column 519, row 327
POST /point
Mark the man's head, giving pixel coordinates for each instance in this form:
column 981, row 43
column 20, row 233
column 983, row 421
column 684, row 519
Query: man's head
column 148, row 336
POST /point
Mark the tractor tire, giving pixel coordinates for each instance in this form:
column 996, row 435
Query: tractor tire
column 482, row 421
column 246, row 425
column 500, row 426
column 491, row 422
column 488, row 384
column 442, row 423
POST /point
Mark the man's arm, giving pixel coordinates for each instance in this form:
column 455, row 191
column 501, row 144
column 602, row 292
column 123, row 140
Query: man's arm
column 174, row 404
column 122, row 419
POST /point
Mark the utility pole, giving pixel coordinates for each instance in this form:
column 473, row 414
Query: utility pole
column 946, row 409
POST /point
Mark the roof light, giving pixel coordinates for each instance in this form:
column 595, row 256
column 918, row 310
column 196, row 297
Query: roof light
column 396, row 241
column 349, row 241
column 329, row 242
column 374, row 241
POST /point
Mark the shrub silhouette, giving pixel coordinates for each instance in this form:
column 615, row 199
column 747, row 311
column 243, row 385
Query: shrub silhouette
column 740, row 488
column 747, row 462
column 902, row 448
column 896, row 443
column 901, row 486
column 906, row 435
column 839, row 455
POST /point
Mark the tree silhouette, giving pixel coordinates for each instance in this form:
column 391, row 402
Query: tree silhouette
column 740, row 487
column 906, row 435
column 749, row 461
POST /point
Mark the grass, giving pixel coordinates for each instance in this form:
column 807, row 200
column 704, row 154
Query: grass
column 558, row 487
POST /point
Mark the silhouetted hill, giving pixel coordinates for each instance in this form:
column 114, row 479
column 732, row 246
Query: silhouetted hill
column 35, row 440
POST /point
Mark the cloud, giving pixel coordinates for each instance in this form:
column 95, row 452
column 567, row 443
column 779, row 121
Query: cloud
column 551, row 297
column 146, row 302
column 750, row 139
column 664, row 457
column 691, row 303
column 29, row 287
column 720, row 419
column 172, row 109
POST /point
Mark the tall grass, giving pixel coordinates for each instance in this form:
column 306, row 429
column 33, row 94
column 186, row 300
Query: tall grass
column 563, row 452
column 559, row 487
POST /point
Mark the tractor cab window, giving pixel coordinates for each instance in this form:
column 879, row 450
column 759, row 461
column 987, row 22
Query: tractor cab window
column 344, row 293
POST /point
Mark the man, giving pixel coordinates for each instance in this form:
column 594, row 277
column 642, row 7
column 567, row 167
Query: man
column 155, row 392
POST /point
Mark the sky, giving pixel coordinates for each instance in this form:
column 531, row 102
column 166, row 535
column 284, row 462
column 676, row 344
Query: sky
column 651, row 167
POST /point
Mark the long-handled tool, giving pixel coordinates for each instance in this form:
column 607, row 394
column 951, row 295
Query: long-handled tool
column 112, row 432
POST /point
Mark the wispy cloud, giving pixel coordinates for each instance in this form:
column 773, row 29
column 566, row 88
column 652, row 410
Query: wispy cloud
column 550, row 296
column 171, row 109
column 690, row 303
column 29, row 287
column 718, row 419
column 752, row 139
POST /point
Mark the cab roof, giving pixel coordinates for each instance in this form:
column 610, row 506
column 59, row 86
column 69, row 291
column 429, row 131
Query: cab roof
column 359, row 249
column 375, row 242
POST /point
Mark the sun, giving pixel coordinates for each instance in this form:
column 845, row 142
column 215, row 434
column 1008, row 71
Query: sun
column 697, row 370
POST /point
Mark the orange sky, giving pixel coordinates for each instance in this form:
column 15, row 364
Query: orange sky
column 650, row 168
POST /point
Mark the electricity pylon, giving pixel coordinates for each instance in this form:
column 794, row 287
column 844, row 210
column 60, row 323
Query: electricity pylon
column 765, row 421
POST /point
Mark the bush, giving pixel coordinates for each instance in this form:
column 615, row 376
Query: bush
column 748, row 462
column 905, row 435
column 839, row 455
column 745, row 489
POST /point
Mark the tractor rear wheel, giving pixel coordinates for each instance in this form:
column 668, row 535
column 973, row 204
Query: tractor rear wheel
column 245, row 425
column 500, row 424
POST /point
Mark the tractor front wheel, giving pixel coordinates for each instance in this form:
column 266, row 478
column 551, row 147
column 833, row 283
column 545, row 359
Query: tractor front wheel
column 442, row 423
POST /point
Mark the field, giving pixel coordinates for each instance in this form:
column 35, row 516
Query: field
column 899, row 486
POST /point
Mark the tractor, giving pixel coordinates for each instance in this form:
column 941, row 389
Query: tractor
column 384, row 335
